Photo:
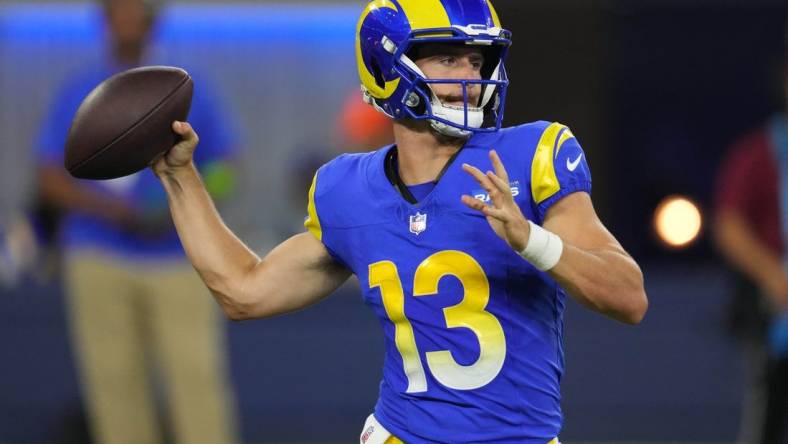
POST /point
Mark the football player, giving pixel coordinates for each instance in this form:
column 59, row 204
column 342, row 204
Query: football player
column 465, row 237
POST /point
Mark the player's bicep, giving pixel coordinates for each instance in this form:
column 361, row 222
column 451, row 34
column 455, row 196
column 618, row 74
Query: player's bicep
column 297, row 273
column 575, row 221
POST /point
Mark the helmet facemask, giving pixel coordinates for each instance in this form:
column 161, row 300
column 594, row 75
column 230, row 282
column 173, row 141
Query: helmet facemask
column 473, row 115
column 419, row 101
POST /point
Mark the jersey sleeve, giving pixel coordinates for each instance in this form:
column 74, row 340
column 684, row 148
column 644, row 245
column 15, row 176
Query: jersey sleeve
column 559, row 168
column 313, row 223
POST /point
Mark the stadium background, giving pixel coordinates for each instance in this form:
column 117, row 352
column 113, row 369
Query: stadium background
column 654, row 90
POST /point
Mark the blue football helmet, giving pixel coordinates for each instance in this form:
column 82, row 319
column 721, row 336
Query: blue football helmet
column 387, row 33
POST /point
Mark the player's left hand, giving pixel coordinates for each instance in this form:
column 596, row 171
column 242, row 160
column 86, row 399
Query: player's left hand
column 503, row 214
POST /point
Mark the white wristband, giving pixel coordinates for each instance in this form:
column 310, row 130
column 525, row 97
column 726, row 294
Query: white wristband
column 543, row 249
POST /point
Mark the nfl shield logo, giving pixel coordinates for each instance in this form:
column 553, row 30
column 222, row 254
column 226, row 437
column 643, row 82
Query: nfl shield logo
column 418, row 223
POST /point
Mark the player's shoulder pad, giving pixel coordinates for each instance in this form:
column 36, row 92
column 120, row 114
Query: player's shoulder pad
column 525, row 130
column 336, row 184
column 520, row 138
column 558, row 166
column 340, row 171
column 533, row 146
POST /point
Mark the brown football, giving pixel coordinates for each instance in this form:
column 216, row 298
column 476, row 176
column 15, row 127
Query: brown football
column 126, row 122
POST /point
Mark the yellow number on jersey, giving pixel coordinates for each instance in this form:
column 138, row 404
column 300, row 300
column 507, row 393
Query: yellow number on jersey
column 384, row 275
column 469, row 313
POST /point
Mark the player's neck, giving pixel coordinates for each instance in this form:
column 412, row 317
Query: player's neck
column 421, row 154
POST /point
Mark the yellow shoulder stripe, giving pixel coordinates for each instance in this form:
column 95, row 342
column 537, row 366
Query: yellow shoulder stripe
column 544, row 182
column 312, row 223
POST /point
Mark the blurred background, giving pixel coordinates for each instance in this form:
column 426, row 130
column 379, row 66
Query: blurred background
column 655, row 90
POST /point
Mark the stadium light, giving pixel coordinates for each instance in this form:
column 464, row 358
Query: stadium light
column 677, row 221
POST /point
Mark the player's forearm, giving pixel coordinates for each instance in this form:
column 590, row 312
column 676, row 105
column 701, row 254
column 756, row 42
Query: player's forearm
column 607, row 281
column 221, row 259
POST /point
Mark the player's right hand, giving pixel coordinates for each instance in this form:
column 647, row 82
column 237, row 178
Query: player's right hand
column 180, row 155
column 504, row 216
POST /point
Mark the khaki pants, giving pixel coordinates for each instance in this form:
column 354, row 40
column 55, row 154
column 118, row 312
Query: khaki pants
column 130, row 317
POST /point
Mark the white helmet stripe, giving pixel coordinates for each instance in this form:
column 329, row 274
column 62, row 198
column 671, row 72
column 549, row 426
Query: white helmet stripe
column 490, row 88
column 410, row 64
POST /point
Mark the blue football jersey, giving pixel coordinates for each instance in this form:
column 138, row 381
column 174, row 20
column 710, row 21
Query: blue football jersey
column 473, row 332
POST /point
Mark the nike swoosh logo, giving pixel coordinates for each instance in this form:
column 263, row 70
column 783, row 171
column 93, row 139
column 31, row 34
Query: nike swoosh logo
column 571, row 166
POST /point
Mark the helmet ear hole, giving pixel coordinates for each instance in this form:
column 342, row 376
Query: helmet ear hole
column 377, row 73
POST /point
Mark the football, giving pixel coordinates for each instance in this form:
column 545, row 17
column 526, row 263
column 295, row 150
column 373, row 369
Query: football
column 125, row 123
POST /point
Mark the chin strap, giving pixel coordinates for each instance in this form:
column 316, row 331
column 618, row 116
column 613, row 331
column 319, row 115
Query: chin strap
column 455, row 114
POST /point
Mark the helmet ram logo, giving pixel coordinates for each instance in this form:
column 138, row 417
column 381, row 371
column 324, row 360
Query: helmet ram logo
column 395, row 86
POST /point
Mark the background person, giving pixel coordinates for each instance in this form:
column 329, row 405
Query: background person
column 135, row 303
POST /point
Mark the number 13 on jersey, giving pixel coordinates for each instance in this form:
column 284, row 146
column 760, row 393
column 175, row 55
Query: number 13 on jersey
column 469, row 313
